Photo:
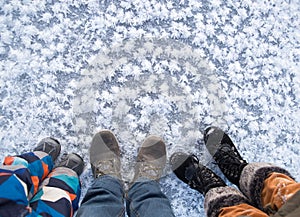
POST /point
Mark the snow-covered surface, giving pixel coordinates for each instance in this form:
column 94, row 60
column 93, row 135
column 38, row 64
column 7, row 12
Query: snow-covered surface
column 173, row 68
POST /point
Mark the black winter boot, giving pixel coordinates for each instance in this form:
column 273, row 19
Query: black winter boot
column 224, row 153
column 72, row 161
column 50, row 146
column 188, row 169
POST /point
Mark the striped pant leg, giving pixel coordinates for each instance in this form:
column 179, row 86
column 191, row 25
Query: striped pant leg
column 58, row 195
column 20, row 177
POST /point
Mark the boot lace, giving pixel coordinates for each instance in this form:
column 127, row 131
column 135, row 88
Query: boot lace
column 104, row 167
column 201, row 178
column 149, row 170
column 230, row 162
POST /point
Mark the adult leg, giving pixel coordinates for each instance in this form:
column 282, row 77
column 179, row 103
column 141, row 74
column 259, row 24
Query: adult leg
column 268, row 186
column 241, row 210
column 104, row 197
column 259, row 182
column 145, row 197
column 218, row 196
column 266, row 189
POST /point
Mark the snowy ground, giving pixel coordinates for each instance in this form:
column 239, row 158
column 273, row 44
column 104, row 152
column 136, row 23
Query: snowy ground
column 173, row 68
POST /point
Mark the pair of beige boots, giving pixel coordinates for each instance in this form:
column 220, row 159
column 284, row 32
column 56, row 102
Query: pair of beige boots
column 105, row 157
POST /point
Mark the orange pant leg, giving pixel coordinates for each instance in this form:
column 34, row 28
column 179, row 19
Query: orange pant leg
column 278, row 188
column 240, row 210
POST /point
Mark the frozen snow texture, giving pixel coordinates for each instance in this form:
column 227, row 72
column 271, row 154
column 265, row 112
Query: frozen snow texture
column 254, row 46
column 160, row 87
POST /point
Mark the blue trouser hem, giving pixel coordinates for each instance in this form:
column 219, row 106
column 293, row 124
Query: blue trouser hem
column 104, row 198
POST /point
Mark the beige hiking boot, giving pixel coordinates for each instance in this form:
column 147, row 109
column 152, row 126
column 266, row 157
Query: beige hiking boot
column 105, row 154
column 151, row 159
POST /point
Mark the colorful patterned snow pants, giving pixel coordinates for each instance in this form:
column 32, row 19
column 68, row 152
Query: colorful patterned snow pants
column 29, row 188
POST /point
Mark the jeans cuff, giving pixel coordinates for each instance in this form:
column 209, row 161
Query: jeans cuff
column 108, row 180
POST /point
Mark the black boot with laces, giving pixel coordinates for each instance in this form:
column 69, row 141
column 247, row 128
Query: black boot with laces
column 224, row 153
column 188, row 169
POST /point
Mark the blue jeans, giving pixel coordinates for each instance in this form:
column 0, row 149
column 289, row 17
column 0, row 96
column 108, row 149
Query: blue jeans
column 106, row 198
